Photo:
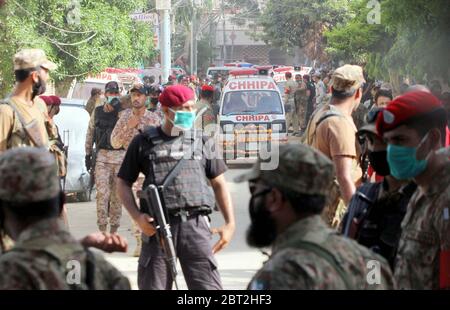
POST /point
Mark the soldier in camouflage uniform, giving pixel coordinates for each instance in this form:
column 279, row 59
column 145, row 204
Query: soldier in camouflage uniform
column 22, row 118
column 285, row 213
column 108, row 159
column 131, row 122
column 289, row 92
column 301, row 101
column 44, row 250
column 208, row 119
column 414, row 126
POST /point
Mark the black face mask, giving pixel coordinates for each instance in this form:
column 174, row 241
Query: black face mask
column 154, row 100
column 262, row 230
column 379, row 163
column 38, row 88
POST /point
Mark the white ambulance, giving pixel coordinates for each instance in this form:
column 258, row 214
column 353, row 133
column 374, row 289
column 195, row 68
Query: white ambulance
column 251, row 115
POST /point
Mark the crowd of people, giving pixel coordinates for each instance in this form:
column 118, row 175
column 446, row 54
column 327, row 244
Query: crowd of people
column 361, row 203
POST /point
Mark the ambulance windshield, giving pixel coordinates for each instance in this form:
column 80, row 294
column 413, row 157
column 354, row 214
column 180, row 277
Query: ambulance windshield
column 252, row 102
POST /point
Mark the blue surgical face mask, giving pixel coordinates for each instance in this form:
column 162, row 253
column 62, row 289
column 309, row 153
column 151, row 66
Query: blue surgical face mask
column 183, row 119
column 403, row 162
column 111, row 98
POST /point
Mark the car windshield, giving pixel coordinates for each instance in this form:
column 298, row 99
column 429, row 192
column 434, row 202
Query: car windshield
column 83, row 90
column 252, row 102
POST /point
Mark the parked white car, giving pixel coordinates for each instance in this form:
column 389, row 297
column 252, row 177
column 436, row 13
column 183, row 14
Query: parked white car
column 73, row 122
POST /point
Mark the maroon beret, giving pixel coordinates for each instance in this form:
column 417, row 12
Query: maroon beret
column 47, row 100
column 207, row 88
column 55, row 100
column 175, row 96
column 406, row 107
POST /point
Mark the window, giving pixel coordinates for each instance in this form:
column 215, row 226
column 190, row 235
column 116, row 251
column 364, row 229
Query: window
column 252, row 102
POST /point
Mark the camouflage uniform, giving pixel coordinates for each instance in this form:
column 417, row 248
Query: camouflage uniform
column 308, row 254
column 121, row 137
column 208, row 118
column 292, row 268
column 301, row 103
column 289, row 103
column 91, row 104
column 40, row 257
column 423, row 257
column 106, row 168
column 359, row 115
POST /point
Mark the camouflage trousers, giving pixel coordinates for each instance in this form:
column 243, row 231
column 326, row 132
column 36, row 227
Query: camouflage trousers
column 301, row 113
column 335, row 208
column 108, row 203
column 291, row 116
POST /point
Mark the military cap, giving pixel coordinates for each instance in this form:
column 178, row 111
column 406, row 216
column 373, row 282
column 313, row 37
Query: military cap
column 347, row 78
column 139, row 87
column 31, row 59
column 28, row 175
column 369, row 125
column 301, row 169
column 112, row 87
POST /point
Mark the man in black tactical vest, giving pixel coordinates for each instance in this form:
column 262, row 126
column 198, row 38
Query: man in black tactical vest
column 107, row 160
column 188, row 198
column 376, row 210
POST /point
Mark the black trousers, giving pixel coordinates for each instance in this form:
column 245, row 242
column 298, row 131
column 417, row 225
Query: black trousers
column 192, row 241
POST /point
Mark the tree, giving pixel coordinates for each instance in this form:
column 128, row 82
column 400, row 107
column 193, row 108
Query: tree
column 302, row 23
column 81, row 36
column 413, row 39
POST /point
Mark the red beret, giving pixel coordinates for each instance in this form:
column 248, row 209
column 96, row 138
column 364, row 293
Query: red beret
column 175, row 96
column 405, row 108
column 46, row 99
column 207, row 88
column 55, row 100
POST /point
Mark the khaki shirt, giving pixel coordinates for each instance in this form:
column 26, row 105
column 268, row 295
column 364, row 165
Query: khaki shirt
column 335, row 136
column 290, row 89
column 424, row 247
column 12, row 133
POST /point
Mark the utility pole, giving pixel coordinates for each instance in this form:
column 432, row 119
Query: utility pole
column 224, row 47
column 193, row 38
column 164, row 7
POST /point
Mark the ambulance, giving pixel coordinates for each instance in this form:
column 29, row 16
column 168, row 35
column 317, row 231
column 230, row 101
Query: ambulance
column 251, row 115
column 279, row 74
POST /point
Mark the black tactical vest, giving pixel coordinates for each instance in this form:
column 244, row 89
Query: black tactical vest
column 380, row 223
column 104, row 125
column 189, row 189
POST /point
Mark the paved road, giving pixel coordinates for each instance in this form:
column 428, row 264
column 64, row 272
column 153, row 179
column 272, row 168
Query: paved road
column 237, row 263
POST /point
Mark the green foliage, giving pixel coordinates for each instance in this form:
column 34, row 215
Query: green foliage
column 291, row 23
column 413, row 39
column 105, row 36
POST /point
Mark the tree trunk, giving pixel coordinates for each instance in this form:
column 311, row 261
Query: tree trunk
column 62, row 87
